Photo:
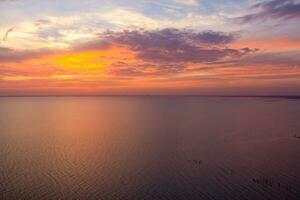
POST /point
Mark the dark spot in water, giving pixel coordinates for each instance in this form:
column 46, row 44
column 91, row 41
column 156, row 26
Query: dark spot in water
column 195, row 162
column 272, row 183
column 297, row 136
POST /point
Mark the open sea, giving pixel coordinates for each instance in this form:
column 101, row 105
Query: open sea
column 169, row 148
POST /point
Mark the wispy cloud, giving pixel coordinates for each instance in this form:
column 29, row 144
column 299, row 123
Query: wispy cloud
column 7, row 32
column 275, row 9
column 189, row 2
column 11, row 55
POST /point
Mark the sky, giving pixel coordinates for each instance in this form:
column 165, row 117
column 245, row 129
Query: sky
column 146, row 47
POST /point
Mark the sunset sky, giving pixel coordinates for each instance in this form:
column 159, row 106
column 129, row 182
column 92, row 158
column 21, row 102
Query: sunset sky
column 162, row 47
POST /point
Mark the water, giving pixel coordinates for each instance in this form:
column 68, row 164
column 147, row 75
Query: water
column 149, row 148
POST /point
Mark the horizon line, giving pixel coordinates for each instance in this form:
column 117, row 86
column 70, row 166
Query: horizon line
column 158, row 95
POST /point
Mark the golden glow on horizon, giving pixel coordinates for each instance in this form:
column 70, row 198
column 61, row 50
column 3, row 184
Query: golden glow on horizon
column 85, row 60
column 91, row 61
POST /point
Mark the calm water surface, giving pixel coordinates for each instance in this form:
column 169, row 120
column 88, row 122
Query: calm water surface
column 149, row 148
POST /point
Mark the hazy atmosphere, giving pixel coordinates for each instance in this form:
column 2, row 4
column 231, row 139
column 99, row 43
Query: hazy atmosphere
column 188, row 47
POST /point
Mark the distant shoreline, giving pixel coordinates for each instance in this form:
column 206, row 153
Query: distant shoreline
column 204, row 96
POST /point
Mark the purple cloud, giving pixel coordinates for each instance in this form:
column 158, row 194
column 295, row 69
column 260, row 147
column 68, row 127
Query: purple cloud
column 275, row 9
column 174, row 45
column 215, row 38
column 142, row 69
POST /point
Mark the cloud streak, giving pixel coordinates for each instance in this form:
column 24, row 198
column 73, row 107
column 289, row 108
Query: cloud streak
column 11, row 55
column 7, row 32
column 275, row 9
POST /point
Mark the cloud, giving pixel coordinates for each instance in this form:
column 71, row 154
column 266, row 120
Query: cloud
column 10, row 55
column 275, row 9
column 178, row 45
column 188, row 2
column 146, row 69
column 274, row 61
column 215, row 38
column 7, row 32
